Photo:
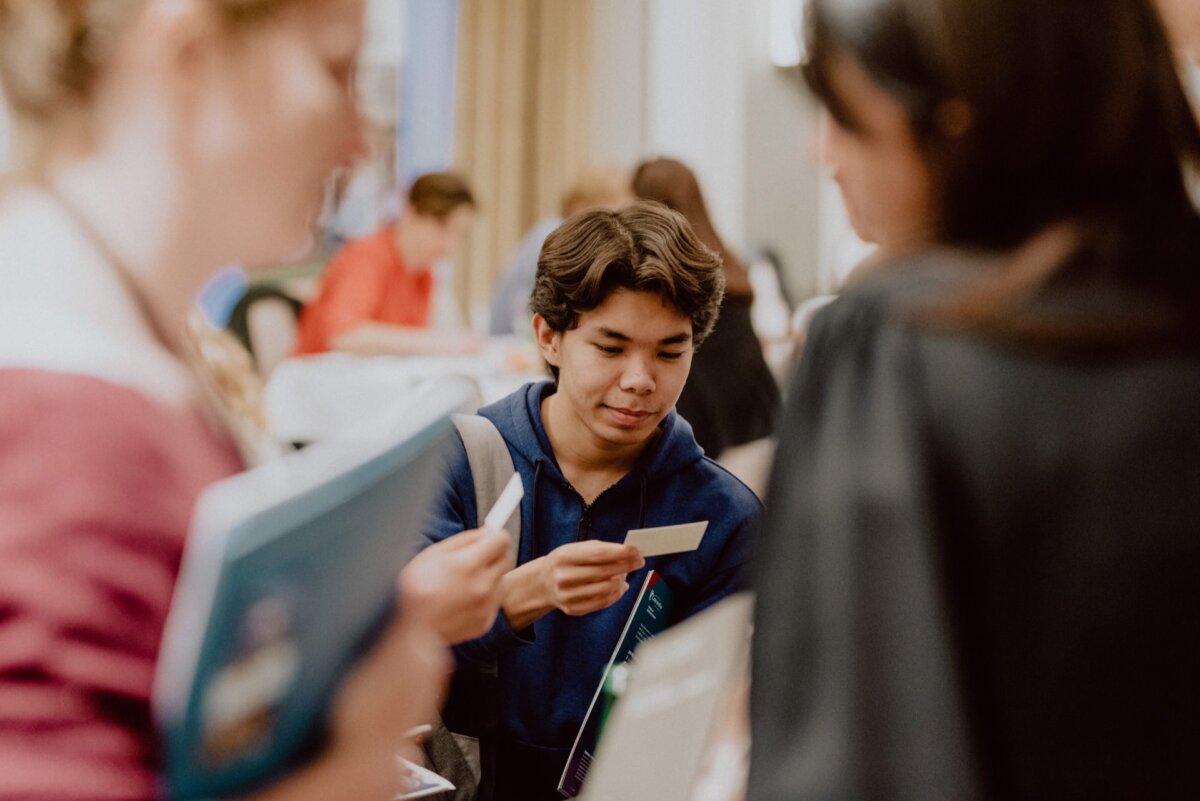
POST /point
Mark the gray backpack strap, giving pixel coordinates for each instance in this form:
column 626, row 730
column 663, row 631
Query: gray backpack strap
column 491, row 468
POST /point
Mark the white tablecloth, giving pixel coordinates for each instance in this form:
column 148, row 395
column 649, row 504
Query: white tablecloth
column 314, row 397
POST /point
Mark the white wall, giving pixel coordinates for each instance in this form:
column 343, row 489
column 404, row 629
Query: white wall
column 783, row 198
column 667, row 82
column 696, row 98
column 384, row 42
column 618, row 67
column 692, row 79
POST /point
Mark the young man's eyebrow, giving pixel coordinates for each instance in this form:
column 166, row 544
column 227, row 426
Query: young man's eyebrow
column 677, row 339
column 608, row 333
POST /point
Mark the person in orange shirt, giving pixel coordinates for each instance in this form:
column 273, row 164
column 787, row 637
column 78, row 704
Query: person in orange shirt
column 377, row 292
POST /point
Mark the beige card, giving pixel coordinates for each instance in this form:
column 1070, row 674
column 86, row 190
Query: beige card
column 667, row 539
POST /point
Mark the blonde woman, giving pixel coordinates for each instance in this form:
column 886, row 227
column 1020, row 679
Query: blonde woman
column 158, row 140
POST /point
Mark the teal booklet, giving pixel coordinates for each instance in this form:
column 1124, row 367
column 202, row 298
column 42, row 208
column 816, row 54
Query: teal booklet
column 649, row 617
column 289, row 571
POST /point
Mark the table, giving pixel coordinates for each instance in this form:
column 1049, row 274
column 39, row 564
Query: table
column 310, row 398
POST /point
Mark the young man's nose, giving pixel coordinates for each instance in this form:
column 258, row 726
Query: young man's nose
column 637, row 377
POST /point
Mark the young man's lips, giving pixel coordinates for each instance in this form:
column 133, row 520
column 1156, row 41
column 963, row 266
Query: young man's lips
column 629, row 414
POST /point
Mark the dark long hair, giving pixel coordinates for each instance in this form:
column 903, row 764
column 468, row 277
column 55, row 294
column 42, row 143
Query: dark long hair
column 674, row 185
column 1077, row 143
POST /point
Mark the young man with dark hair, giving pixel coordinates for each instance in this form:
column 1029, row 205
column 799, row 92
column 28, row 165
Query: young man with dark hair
column 621, row 300
column 377, row 292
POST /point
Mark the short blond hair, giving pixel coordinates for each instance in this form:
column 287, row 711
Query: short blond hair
column 602, row 186
column 52, row 51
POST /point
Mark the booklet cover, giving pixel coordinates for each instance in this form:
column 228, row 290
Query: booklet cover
column 648, row 618
column 289, row 571
column 683, row 689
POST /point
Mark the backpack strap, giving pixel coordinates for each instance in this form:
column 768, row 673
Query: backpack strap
column 491, row 468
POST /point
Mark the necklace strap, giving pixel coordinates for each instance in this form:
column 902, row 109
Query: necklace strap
column 115, row 265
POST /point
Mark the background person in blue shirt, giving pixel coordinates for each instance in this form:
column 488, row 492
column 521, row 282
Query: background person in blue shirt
column 622, row 299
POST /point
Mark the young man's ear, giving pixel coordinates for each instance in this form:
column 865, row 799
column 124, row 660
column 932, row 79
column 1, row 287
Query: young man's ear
column 548, row 340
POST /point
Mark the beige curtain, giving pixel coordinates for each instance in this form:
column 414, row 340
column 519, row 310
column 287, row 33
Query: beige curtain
column 523, row 118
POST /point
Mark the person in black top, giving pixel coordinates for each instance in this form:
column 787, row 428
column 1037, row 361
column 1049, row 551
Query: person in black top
column 977, row 579
column 730, row 397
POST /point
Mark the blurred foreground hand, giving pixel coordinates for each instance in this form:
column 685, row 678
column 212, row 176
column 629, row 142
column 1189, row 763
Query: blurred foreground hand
column 453, row 586
column 394, row 688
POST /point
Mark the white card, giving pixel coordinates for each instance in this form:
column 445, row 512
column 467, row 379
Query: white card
column 506, row 504
column 667, row 539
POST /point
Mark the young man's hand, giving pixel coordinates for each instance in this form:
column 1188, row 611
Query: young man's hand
column 454, row 585
column 577, row 578
column 584, row 577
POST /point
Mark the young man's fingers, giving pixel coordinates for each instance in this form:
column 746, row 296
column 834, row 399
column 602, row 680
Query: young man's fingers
column 617, row 567
column 596, row 586
column 594, row 552
column 595, row 597
column 582, row 575
column 595, row 590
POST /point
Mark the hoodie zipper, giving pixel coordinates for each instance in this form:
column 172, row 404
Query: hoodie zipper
column 585, row 515
column 585, row 523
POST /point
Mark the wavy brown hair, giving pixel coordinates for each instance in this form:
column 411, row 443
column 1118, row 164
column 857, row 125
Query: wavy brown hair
column 644, row 247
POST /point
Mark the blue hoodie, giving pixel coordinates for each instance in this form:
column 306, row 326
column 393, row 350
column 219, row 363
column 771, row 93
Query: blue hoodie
column 548, row 671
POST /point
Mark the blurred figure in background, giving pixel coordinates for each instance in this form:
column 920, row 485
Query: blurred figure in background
column 162, row 140
column 377, row 292
column 730, row 397
column 598, row 187
column 978, row 579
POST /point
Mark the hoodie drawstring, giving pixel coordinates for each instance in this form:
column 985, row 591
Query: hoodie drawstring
column 533, row 511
